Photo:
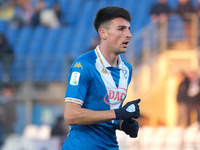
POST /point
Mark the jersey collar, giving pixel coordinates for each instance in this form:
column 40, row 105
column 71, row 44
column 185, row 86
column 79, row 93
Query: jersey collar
column 104, row 61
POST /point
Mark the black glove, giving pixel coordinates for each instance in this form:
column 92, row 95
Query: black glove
column 130, row 127
column 130, row 110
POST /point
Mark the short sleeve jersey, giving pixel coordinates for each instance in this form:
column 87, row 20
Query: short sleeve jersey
column 96, row 85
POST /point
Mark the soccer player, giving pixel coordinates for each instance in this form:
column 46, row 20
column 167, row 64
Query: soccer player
column 97, row 87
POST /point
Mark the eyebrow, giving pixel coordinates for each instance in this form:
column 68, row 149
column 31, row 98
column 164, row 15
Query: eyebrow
column 122, row 26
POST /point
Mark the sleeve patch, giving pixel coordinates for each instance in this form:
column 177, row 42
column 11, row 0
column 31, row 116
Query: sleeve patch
column 75, row 78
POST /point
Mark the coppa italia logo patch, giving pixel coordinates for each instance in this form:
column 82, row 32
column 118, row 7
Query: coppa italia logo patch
column 115, row 96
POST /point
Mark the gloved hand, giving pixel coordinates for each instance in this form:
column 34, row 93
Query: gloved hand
column 130, row 127
column 130, row 110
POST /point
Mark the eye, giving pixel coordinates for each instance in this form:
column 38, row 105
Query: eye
column 121, row 28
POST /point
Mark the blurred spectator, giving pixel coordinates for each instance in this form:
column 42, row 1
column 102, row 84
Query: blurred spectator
column 1, row 2
column 159, row 12
column 40, row 6
column 199, row 8
column 182, row 98
column 23, row 2
column 56, row 8
column 60, row 130
column 199, row 23
column 7, row 10
column 2, row 138
column 185, row 10
column 193, row 95
column 51, row 17
column 7, row 110
column 44, row 16
column 23, row 15
column 6, row 57
column 94, row 42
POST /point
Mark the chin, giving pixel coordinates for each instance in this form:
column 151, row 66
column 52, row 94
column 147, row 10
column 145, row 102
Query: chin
column 120, row 50
column 123, row 50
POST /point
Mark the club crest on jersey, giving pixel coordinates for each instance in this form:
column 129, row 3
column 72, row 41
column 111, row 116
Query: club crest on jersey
column 104, row 71
column 115, row 96
column 78, row 65
column 124, row 73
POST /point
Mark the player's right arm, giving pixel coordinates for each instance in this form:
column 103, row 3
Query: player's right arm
column 74, row 114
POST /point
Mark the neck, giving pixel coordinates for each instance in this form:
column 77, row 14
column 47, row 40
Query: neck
column 111, row 57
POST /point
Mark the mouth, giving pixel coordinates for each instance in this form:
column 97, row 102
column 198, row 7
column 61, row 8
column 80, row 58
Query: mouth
column 125, row 43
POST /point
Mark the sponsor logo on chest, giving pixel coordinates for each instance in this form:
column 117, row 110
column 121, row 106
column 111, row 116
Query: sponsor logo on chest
column 115, row 96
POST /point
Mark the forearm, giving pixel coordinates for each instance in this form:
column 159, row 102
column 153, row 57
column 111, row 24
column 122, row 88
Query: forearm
column 80, row 116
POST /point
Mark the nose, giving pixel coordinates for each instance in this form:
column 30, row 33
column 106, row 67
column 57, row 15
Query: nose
column 129, row 35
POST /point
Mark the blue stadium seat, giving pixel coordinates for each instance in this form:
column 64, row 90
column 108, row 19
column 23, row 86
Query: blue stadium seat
column 77, row 48
column 12, row 34
column 195, row 3
column 19, row 69
column 87, row 41
column 20, row 122
column 140, row 14
column 22, row 42
column 55, row 72
column 40, row 68
column 101, row 4
column 64, row 7
column 175, row 28
column 48, row 69
column 3, row 25
column 49, row 3
column 36, row 43
column 1, row 71
column 65, row 40
column 120, row 3
column 74, row 12
column 50, row 41
column 173, row 4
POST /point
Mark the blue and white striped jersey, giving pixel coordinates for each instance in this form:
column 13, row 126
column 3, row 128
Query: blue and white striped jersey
column 96, row 85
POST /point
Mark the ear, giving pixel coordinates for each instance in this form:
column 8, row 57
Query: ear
column 102, row 34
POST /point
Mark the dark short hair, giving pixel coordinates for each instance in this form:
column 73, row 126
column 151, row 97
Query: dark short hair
column 108, row 13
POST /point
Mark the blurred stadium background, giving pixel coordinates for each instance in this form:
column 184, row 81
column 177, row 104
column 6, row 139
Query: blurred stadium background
column 157, row 53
